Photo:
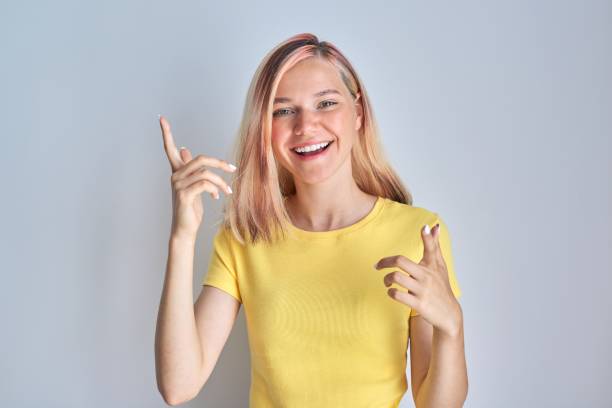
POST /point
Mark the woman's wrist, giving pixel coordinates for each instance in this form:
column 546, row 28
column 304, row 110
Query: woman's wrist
column 182, row 239
column 454, row 328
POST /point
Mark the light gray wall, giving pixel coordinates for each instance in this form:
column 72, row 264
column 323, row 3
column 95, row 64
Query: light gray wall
column 496, row 114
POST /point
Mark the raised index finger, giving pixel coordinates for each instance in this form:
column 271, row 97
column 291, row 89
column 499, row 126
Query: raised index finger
column 169, row 146
column 429, row 245
column 438, row 251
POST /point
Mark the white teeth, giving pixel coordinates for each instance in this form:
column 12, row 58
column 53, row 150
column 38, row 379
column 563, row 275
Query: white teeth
column 311, row 147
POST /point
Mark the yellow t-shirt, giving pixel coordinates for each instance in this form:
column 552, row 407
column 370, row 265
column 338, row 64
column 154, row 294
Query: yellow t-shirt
column 322, row 330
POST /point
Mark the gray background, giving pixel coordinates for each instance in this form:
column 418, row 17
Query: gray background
column 497, row 115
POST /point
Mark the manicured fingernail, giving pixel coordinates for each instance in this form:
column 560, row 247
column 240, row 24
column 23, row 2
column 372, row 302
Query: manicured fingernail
column 231, row 166
column 426, row 229
column 229, row 189
column 183, row 147
column 376, row 265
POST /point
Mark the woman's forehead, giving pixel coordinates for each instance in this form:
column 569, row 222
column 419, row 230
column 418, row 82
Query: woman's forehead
column 309, row 77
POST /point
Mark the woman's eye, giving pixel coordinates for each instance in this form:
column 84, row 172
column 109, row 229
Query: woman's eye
column 331, row 103
column 325, row 104
column 278, row 112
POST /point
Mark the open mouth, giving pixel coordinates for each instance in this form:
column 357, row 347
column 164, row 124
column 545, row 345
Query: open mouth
column 314, row 152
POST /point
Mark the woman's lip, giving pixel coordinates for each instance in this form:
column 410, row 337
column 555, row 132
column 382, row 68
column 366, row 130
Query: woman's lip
column 313, row 156
column 310, row 144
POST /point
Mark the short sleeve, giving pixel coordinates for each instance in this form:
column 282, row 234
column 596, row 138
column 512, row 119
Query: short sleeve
column 447, row 254
column 221, row 267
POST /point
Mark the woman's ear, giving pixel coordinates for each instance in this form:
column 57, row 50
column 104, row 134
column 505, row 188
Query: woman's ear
column 359, row 110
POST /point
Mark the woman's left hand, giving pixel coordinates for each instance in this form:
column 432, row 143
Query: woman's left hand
column 429, row 290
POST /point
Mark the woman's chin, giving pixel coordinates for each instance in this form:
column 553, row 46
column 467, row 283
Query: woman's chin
column 313, row 177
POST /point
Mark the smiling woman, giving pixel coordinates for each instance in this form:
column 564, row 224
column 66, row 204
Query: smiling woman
column 305, row 93
column 315, row 205
column 321, row 110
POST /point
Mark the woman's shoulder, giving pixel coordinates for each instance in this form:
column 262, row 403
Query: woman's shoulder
column 401, row 211
column 224, row 235
column 238, row 241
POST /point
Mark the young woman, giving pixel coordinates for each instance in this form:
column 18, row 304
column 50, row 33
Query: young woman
column 314, row 206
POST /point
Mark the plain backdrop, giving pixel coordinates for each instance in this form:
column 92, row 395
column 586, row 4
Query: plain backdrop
column 496, row 114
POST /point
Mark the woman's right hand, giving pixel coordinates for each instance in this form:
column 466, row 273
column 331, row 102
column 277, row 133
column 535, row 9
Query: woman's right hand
column 189, row 179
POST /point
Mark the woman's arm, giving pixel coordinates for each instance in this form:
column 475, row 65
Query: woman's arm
column 178, row 354
column 181, row 369
column 438, row 367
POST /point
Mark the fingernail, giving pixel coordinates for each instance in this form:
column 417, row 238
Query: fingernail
column 183, row 147
column 229, row 189
column 426, row 229
column 437, row 227
column 376, row 265
column 231, row 166
column 159, row 116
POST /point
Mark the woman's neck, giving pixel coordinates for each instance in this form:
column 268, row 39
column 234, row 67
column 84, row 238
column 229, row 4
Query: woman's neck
column 324, row 212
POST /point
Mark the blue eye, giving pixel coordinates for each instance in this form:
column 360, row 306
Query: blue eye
column 279, row 111
column 332, row 103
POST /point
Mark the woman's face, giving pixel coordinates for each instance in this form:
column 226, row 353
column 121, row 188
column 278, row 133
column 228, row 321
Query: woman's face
column 302, row 116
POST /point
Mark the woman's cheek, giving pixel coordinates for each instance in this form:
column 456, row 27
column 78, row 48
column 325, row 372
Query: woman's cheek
column 279, row 131
column 276, row 137
column 340, row 122
column 277, row 141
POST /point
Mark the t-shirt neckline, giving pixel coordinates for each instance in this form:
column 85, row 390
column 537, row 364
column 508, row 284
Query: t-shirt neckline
column 374, row 212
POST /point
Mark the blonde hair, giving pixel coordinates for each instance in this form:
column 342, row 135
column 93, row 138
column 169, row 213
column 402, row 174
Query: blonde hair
column 256, row 209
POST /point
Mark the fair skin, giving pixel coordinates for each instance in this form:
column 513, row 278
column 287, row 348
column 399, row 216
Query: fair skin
column 438, row 367
column 190, row 337
column 328, row 198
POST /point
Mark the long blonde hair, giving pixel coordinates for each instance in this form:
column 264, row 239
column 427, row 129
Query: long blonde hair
column 256, row 210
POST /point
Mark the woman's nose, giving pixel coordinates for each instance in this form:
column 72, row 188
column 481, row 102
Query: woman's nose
column 306, row 122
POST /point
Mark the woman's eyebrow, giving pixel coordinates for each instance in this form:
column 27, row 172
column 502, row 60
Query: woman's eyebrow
column 282, row 99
